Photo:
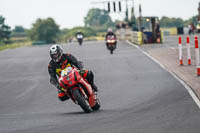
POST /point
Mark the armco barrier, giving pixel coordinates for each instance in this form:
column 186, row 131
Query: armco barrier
column 169, row 31
column 134, row 36
column 137, row 38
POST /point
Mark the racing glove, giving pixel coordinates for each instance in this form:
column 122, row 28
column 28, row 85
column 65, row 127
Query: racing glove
column 54, row 81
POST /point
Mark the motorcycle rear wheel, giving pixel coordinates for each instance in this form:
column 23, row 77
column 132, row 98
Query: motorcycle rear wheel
column 82, row 101
column 111, row 51
column 80, row 42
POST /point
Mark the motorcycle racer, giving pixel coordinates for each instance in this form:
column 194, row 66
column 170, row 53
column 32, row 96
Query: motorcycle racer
column 79, row 33
column 59, row 61
column 110, row 33
column 79, row 37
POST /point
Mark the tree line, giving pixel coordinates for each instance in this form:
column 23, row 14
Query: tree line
column 177, row 22
column 96, row 20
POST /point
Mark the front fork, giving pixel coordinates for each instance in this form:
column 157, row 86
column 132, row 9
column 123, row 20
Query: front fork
column 82, row 92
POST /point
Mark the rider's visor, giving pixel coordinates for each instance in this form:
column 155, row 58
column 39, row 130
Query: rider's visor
column 56, row 57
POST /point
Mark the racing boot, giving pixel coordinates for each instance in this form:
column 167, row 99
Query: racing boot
column 62, row 96
column 90, row 79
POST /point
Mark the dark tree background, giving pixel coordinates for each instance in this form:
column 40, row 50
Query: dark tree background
column 4, row 31
column 98, row 19
column 44, row 30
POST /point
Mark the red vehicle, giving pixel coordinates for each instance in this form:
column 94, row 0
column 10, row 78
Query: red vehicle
column 111, row 42
column 78, row 89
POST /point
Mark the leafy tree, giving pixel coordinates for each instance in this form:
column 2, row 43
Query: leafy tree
column 4, row 31
column 193, row 20
column 44, row 30
column 19, row 31
column 171, row 22
column 86, row 31
column 98, row 19
column 133, row 22
column 64, row 31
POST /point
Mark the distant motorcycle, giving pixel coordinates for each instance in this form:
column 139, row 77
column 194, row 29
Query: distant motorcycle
column 111, row 42
column 78, row 89
column 80, row 38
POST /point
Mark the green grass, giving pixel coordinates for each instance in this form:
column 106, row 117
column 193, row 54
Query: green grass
column 15, row 45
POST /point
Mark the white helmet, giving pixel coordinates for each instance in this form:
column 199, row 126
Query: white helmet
column 56, row 52
column 110, row 30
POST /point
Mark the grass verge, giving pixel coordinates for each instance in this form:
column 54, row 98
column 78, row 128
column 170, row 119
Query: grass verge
column 15, row 45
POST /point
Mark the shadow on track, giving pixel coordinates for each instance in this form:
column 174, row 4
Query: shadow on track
column 81, row 112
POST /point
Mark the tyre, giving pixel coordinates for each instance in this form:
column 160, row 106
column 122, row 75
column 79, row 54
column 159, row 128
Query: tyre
column 97, row 106
column 80, row 42
column 111, row 51
column 82, row 101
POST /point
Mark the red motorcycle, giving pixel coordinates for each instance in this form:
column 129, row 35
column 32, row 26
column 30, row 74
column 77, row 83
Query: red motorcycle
column 111, row 42
column 78, row 89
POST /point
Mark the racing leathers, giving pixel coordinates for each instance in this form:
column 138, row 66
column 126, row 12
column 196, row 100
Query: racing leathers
column 55, row 68
column 110, row 33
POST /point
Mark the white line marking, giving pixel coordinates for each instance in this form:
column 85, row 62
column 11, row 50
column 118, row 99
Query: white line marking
column 189, row 89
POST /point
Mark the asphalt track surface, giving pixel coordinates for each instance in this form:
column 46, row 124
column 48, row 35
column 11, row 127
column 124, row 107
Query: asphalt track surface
column 136, row 94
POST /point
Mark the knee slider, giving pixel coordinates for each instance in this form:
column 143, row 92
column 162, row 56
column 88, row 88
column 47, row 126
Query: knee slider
column 63, row 98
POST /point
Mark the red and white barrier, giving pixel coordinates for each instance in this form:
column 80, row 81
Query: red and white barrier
column 197, row 56
column 188, row 50
column 180, row 51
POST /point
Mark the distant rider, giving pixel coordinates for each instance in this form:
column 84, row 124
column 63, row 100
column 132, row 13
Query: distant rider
column 58, row 62
column 110, row 33
column 79, row 34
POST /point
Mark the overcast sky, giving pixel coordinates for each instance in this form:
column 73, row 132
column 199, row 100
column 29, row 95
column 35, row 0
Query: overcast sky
column 70, row 13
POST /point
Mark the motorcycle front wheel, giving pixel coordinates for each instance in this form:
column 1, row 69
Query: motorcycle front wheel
column 97, row 106
column 111, row 51
column 82, row 101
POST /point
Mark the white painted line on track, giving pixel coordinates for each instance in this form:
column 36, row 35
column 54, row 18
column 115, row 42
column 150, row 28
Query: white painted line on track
column 188, row 88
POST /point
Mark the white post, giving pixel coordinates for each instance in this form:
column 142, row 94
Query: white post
column 197, row 56
column 188, row 51
column 180, row 51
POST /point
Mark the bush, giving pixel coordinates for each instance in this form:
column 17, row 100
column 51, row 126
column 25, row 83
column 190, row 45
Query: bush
column 72, row 33
column 44, row 30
